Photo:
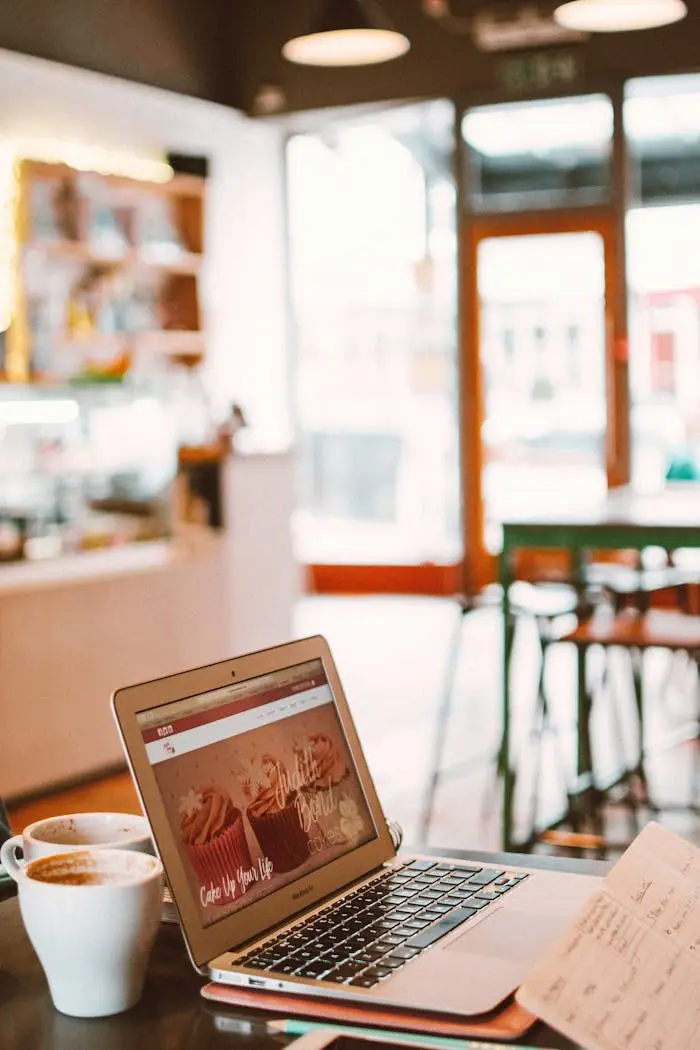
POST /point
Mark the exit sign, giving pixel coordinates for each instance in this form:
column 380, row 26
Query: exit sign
column 540, row 71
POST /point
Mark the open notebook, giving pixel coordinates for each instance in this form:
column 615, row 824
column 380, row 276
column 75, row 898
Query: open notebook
column 626, row 974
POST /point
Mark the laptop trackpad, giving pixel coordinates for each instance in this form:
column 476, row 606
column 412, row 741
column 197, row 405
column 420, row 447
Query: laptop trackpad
column 477, row 970
column 509, row 934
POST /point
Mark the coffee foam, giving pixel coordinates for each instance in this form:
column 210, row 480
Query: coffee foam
column 79, row 878
column 86, row 869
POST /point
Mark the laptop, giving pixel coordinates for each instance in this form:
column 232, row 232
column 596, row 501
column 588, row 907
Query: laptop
column 280, row 861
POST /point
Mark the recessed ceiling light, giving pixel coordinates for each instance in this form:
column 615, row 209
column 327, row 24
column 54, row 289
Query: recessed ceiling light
column 617, row 16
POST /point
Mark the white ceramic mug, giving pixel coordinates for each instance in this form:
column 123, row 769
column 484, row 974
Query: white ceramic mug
column 77, row 831
column 91, row 916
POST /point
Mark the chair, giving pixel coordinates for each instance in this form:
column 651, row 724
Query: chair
column 543, row 603
column 635, row 633
column 632, row 578
column 548, row 595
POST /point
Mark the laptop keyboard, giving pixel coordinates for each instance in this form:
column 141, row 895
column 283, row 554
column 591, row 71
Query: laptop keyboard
column 376, row 929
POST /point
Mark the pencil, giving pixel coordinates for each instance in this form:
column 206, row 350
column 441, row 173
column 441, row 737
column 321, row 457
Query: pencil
column 435, row 1042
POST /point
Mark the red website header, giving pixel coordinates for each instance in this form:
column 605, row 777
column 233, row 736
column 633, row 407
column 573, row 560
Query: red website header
column 214, row 714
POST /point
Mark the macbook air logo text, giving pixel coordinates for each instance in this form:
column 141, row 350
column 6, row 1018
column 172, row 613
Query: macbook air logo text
column 302, row 892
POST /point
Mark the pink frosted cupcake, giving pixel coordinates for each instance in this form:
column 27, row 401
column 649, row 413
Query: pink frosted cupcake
column 274, row 815
column 320, row 760
column 213, row 832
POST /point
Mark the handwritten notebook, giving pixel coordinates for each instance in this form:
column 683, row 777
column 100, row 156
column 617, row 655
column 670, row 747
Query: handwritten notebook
column 626, row 974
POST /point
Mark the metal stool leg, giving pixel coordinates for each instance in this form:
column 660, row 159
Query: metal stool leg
column 504, row 771
column 584, row 814
column 443, row 720
column 543, row 725
column 639, row 770
column 587, row 809
column 537, row 733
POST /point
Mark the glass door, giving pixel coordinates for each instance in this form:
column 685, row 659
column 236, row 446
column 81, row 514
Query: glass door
column 540, row 426
column 373, row 276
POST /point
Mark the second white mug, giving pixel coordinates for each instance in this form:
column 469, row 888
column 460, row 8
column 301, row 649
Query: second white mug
column 75, row 831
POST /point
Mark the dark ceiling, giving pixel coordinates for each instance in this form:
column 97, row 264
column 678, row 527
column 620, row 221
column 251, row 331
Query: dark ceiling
column 181, row 45
column 440, row 62
column 225, row 50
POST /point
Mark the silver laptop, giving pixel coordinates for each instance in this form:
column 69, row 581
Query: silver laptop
column 279, row 858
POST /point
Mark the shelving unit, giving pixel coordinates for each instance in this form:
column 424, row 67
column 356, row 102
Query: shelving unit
column 106, row 276
column 186, row 263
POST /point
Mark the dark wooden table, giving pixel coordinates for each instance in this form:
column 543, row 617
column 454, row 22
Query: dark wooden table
column 171, row 1015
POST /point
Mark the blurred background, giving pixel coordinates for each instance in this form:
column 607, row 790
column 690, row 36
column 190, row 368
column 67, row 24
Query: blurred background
column 283, row 344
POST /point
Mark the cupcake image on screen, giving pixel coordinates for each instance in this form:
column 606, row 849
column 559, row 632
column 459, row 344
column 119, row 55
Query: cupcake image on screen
column 320, row 761
column 273, row 814
column 213, row 832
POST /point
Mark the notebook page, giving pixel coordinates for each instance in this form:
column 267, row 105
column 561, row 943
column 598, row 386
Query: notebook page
column 626, row 973
column 658, row 880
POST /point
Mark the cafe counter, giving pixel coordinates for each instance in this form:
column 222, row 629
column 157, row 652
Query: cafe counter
column 74, row 629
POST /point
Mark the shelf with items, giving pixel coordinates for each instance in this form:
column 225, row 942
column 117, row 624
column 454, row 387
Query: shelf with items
column 108, row 212
column 110, row 357
column 107, row 271
column 129, row 258
column 168, row 341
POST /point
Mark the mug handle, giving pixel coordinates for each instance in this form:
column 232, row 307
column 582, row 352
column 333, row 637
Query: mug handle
column 8, row 857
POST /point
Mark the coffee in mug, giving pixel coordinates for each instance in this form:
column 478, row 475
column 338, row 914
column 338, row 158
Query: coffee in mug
column 92, row 916
column 75, row 831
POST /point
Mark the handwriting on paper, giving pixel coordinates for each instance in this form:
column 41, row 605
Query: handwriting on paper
column 626, row 974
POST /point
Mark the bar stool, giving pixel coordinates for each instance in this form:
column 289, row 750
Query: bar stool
column 634, row 585
column 635, row 633
column 653, row 576
column 542, row 604
column 552, row 609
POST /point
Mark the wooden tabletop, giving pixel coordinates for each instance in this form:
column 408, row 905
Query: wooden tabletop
column 674, row 505
column 171, row 1015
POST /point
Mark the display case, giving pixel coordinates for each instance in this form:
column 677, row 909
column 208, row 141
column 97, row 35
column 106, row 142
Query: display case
column 84, row 467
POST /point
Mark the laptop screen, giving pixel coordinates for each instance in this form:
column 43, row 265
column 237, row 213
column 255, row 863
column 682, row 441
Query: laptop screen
column 258, row 783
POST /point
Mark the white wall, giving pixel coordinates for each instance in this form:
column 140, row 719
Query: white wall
column 243, row 287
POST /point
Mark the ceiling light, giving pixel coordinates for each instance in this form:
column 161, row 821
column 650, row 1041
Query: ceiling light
column 617, row 16
column 347, row 33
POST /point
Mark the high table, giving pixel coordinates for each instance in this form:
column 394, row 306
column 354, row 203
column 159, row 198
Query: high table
column 625, row 520
column 171, row 1015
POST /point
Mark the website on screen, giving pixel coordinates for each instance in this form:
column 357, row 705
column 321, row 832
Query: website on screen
column 258, row 783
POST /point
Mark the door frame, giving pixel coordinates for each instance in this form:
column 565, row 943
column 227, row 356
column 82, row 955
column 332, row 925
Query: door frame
column 479, row 566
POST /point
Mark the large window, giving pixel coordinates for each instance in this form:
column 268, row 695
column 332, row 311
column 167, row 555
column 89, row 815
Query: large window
column 546, row 343
column 547, row 154
column 374, row 269
column 662, row 121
